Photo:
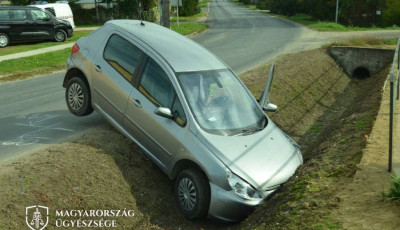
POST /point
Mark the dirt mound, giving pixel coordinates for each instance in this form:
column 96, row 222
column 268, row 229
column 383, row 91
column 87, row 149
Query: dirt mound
column 329, row 114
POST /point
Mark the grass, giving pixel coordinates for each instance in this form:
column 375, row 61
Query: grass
column 38, row 64
column 394, row 191
column 89, row 25
column 192, row 18
column 309, row 21
column 251, row 7
column 366, row 42
column 190, row 28
column 17, row 48
column 203, row 3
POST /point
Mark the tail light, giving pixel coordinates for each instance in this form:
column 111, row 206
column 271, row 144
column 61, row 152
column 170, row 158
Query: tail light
column 75, row 48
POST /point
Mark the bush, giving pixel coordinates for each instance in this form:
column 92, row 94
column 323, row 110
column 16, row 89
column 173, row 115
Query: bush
column 261, row 5
column 391, row 16
column 189, row 8
column 394, row 191
column 288, row 7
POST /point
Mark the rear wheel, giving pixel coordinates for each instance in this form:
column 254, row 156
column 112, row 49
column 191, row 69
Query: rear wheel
column 60, row 36
column 77, row 95
column 192, row 193
column 3, row 40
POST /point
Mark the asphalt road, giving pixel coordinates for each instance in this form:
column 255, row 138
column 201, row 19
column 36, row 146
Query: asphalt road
column 33, row 112
column 243, row 38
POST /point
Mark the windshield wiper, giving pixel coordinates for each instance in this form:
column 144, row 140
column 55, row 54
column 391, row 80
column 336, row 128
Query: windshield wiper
column 245, row 132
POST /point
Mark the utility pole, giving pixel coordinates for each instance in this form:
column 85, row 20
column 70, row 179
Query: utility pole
column 337, row 11
column 165, row 13
column 96, row 5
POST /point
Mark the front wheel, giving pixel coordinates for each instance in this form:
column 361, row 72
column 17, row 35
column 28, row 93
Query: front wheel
column 77, row 95
column 192, row 193
column 4, row 40
column 60, row 36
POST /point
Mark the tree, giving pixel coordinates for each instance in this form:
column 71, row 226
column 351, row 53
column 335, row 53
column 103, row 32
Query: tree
column 189, row 7
column 391, row 16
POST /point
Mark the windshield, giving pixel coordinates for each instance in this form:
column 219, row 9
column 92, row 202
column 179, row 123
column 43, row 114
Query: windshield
column 220, row 103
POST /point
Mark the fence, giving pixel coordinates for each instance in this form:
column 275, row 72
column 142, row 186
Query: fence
column 394, row 92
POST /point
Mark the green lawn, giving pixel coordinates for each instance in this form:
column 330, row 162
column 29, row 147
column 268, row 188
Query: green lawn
column 203, row 3
column 90, row 25
column 38, row 64
column 189, row 18
column 189, row 28
column 22, row 47
column 307, row 20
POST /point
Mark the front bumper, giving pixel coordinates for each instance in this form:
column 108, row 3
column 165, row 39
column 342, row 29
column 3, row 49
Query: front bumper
column 228, row 206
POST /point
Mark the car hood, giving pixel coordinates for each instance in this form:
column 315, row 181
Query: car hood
column 264, row 159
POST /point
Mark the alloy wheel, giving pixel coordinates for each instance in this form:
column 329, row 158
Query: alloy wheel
column 75, row 96
column 187, row 194
column 60, row 36
column 3, row 40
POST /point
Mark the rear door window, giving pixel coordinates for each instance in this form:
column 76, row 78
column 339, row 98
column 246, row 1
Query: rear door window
column 38, row 15
column 18, row 14
column 122, row 55
column 4, row 15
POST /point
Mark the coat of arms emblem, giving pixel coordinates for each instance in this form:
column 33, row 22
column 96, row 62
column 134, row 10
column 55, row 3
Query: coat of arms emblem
column 37, row 217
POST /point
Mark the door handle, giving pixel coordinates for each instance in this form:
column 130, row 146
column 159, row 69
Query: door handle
column 136, row 103
column 98, row 68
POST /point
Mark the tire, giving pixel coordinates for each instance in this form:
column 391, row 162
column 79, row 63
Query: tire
column 4, row 40
column 77, row 96
column 192, row 194
column 60, row 36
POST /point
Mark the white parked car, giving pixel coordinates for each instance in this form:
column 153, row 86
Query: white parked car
column 60, row 11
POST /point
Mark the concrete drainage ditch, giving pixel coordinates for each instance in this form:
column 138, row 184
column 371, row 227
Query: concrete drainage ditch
column 359, row 62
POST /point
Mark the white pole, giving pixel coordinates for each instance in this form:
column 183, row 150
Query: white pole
column 337, row 11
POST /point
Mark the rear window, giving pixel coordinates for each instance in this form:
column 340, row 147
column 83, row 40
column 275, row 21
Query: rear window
column 122, row 55
column 4, row 15
column 18, row 14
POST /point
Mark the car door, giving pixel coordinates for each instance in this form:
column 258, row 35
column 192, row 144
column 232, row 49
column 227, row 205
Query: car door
column 112, row 75
column 42, row 25
column 160, row 136
column 20, row 28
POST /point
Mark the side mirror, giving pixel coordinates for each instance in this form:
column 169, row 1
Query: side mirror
column 270, row 107
column 264, row 99
column 164, row 112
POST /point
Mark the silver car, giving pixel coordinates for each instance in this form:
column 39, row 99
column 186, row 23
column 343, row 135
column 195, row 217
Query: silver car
column 187, row 111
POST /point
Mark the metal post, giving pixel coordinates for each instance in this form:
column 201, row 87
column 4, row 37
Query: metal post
column 337, row 11
column 391, row 126
column 177, row 12
column 165, row 13
column 398, row 92
column 398, row 67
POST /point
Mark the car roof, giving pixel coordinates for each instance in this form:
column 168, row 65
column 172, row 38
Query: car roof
column 181, row 53
column 18, row 7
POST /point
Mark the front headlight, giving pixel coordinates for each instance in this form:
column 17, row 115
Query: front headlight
column 242, row 188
